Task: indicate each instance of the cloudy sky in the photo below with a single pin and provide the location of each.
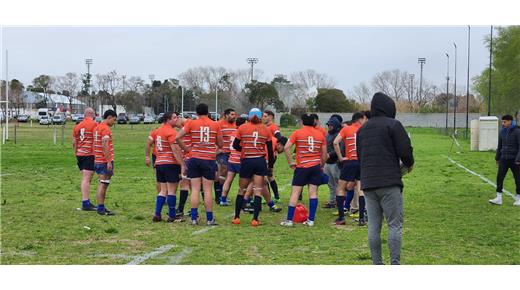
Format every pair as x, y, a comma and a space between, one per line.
348, 54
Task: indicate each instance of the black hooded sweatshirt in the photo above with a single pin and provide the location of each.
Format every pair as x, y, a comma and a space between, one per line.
381, 143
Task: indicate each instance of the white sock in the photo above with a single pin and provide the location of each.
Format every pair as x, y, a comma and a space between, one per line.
499, 194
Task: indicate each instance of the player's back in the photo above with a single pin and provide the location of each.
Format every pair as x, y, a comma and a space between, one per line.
84, 135
102, 131
253, 139
349, 135
308, 141
203, 132
226, 130
164, 138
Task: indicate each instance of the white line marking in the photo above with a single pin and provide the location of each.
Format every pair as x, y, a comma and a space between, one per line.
201, 231
478, 175
139, 259
177, 259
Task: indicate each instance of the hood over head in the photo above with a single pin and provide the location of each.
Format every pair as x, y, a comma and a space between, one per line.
382, 105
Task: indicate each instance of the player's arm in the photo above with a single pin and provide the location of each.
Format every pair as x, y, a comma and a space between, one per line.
287, 150
106, 151
499, 149
270, 153
220, 141
149, 143
178, 156
236, 144
324, 154
337, 148
74, 141
178, 138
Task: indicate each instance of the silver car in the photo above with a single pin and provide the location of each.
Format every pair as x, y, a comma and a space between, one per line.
45, 120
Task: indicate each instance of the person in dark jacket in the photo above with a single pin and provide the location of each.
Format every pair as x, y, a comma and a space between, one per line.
508, 157
331, 167
383, 145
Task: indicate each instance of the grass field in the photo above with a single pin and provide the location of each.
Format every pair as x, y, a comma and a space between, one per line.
447, 217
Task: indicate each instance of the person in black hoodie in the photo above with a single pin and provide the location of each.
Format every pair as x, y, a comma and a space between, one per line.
331, 167
383, 148
508, 157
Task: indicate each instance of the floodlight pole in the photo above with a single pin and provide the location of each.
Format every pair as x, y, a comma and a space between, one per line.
6, 128
490, 65
421, 61
182, 101
252, 61
447, 89
88, 62
455, 92
467, 83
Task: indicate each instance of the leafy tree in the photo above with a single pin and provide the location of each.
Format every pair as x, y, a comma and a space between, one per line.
334, 100
261, 94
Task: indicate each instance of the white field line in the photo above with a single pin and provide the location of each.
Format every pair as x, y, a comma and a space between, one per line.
177, 259
478, 175
139, 259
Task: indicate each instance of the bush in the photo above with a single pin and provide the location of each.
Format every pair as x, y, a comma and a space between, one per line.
287, 120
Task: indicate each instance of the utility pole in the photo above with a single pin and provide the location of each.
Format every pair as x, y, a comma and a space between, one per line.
455, 92
411, 87
6, 128
447, 90
490, 65
421, 61
182, 101
252, 61
151, 77
124, 81
88, 62
467, 84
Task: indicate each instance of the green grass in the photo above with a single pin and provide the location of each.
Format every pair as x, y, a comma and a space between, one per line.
447, 217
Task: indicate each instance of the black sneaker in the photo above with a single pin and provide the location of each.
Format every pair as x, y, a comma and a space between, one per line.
179, 214
274, 208
157, 218
177, 219
106, 212
91, 207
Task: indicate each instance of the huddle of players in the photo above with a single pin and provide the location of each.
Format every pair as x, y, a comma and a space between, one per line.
190, 156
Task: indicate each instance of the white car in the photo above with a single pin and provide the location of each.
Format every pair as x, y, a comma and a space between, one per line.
149, 120
45, 120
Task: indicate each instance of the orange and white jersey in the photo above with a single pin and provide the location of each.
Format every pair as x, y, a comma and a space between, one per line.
83, 133
309, 142
253, 139
101, 132
322, 130
164, 138
234, 155
226, 130
273, 128
203, 132
349, 134
186, 139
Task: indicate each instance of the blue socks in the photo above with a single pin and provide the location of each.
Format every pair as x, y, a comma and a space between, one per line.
171, 200
290, 213
194, 214
159, 204
350, 197
271, 204
101, 207
85, 203
223, 198
209, 216
313, 206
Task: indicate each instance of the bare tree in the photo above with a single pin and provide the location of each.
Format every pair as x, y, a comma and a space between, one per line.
307, 84
68, 85
363, 93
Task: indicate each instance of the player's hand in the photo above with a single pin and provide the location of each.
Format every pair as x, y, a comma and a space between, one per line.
147, 161
109, 166
292, 165
498, 162
184, 171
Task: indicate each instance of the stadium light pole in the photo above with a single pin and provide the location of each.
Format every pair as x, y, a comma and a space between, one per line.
182, 101
421, 61
252, 61
411, 86
151, 77
490, 65
447, 89
5, 132
467, 83
455, 91
88, 62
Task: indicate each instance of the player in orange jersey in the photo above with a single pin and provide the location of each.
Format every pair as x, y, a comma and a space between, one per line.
227, 128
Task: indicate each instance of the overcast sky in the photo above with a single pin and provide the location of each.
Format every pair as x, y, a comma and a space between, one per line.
349, 55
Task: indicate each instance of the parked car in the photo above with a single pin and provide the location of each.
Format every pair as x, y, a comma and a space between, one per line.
99, 119
122, 118
45, 120
80, 118
149, 120
141, 116
159, 118
58, 119
23, 118
135, 120
74, 117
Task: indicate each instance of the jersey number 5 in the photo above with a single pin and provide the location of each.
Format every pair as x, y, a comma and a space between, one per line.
82, 134
204, 134
158, 143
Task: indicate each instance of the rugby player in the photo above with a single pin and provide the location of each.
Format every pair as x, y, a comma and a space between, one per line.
268, 119
350, 171
311, 154
104, 158
151, 162
227, 128
233, 165
202, 166
185, 181
251, 140
83, 145
169, 166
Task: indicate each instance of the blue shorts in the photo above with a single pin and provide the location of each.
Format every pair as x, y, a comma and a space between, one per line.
101, 169
351, 171
223, 159
202, 168
168, 173
234, 167
253, 166
304, 176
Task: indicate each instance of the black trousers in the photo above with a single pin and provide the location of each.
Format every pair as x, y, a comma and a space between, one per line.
503, 166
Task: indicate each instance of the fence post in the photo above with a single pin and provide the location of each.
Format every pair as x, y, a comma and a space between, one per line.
62, 133
15, 126
54, 135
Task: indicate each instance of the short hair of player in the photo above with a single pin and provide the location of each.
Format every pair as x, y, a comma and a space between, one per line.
315, 116
269, 113
109, 113
282, 140
507, 117
202, 109
240, 121
367, 114
167, 117
356, 116
338, 117
228, 111
308, 120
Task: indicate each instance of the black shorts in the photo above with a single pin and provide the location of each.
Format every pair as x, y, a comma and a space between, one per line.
85, 162
202, 168
350, 171
223, 159
304, 176
153, 160
253, 166
168, 173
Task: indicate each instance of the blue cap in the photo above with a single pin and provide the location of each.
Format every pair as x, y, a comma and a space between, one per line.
255, 112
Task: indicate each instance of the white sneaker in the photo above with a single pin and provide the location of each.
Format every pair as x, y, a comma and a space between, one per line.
309, 223
497, 200
287, 223
517, 200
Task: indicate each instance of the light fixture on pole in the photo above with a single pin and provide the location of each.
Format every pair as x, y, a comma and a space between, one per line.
252, 61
